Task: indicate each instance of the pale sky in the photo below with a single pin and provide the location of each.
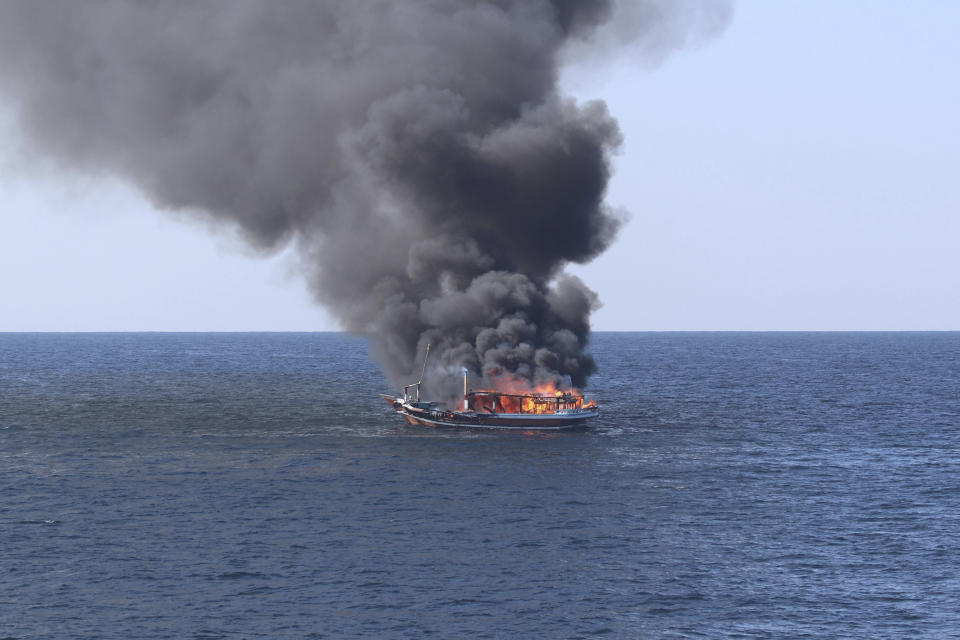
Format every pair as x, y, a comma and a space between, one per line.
800, 172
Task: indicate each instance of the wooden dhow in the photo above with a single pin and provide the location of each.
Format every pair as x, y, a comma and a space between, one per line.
544, 408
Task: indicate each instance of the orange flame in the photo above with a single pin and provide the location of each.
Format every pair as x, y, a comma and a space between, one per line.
519, 396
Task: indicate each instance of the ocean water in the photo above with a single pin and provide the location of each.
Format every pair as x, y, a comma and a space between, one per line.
746, 485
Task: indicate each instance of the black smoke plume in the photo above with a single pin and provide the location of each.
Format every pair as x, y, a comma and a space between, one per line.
419, 154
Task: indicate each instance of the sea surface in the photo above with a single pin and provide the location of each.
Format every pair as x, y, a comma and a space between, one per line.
736, 485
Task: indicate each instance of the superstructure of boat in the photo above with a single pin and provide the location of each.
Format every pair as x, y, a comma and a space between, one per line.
490, 409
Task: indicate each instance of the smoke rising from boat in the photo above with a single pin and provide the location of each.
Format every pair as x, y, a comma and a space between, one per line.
419, 155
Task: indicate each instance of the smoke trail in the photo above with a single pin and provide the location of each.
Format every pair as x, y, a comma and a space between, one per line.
419, 154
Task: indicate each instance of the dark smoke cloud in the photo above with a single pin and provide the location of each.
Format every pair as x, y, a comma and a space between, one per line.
419, 154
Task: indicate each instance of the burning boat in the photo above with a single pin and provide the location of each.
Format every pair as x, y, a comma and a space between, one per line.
543, 408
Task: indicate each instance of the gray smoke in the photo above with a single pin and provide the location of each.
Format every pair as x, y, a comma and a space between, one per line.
419, 154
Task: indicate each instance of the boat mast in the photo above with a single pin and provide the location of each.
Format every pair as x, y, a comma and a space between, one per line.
423, 371
420, 381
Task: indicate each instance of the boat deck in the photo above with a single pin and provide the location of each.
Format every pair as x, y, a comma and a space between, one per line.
427, 414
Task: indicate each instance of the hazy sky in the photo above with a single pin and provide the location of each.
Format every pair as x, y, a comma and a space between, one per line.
799, 172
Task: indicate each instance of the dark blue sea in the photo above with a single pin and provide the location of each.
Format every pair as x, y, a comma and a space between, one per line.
736, 485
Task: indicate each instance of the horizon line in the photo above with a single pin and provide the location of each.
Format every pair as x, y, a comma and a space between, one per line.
242, 331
